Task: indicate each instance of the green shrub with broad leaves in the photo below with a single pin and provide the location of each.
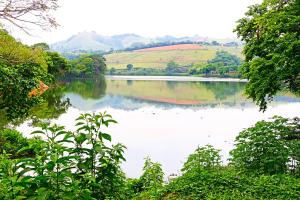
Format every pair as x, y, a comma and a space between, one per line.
264, 165
84, 164
69, 165
205, 157
269, 147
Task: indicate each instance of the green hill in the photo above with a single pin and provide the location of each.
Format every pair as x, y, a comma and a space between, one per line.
159, 59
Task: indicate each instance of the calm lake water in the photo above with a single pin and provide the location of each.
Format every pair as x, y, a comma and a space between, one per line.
160, 118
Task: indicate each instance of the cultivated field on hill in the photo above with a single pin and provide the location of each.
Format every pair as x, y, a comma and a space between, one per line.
146, 58
172, 47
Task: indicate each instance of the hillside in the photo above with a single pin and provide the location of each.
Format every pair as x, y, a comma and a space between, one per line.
91, 41
159, 58
172, 47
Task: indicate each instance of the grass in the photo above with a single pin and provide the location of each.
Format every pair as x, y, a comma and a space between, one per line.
159, 59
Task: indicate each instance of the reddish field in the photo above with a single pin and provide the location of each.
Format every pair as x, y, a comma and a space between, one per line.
172, 47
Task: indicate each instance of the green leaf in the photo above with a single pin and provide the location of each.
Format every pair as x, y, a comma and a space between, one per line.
80, 138
105, 136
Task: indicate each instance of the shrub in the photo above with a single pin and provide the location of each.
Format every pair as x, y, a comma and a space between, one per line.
268, 147
204, 157
70, 165
15, 145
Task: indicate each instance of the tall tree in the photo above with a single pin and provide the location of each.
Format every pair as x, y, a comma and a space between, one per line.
271, 31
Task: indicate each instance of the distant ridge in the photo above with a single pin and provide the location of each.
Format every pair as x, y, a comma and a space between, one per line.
92, 41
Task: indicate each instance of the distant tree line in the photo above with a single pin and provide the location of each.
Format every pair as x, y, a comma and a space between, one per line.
224, 64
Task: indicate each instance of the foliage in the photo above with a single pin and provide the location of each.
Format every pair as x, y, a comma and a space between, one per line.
22, 69
152, 178
69, 165
42, 45
226, 184
12, 141
204, 157
269, 147
57, 65
18, 81
204, 178
101, 163
171, 67
129, 67
272, 49
222, 64
88, 65
150, 183
13, 52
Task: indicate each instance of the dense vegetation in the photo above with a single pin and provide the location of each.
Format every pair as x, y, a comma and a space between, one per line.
272, 50
84, 164
26, 71
223, 64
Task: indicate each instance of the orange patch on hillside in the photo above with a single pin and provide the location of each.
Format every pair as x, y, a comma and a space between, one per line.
172, 47
173, 101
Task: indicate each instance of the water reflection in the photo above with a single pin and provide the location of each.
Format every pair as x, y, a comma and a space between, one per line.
130, 95
165, 120
53, 105
95, 94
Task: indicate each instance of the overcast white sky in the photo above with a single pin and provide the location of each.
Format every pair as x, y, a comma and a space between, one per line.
149, 18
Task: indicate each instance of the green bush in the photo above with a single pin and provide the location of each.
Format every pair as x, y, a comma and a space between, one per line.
204, 157
268, 148
15, 145
70, 165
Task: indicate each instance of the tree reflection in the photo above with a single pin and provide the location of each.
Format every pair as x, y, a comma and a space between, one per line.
87, 88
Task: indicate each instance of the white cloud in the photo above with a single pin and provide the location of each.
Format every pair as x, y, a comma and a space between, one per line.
150, 18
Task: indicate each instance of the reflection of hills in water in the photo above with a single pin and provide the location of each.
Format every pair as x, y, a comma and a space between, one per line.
128, 103
131, 95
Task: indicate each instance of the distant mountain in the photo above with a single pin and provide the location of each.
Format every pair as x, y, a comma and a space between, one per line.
91, 41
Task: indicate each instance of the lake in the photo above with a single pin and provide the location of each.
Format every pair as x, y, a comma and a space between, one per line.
165, 118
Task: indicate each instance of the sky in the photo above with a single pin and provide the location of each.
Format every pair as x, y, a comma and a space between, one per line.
148, 18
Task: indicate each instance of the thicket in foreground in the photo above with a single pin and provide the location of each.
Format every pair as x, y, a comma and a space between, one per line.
69, 165
85, 165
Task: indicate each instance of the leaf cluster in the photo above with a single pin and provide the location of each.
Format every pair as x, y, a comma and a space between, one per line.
69, 165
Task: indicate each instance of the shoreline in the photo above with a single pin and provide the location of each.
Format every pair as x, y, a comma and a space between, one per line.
174, 78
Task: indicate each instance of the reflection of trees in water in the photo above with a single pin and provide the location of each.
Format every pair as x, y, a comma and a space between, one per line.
52, 107
129, 82
223, 90
55, 104
171, 84
88, 88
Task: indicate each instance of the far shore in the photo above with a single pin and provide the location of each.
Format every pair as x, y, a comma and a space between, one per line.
174, 78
